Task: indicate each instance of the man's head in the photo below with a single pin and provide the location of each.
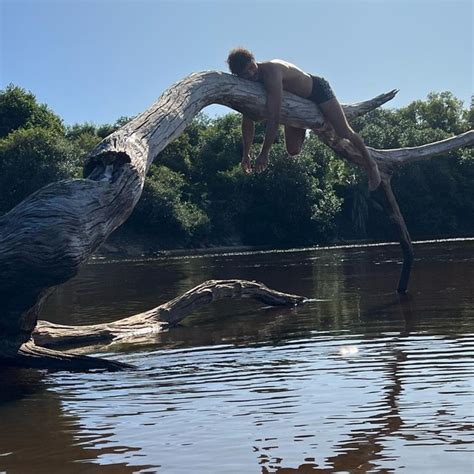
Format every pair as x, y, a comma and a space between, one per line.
242, 63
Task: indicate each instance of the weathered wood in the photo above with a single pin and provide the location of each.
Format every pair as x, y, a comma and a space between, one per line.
400, 156
406, 245
37, 353
149, 133
158, 319
45, 239
32, 356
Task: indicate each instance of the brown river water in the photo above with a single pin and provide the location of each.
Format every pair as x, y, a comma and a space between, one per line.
357, 380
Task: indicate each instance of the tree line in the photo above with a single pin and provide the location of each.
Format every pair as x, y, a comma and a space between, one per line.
196, 194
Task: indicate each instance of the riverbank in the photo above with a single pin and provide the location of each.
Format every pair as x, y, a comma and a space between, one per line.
125, 244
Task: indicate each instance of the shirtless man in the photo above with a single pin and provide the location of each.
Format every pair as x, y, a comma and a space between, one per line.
276, 76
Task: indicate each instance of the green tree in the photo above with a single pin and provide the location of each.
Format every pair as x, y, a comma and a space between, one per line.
31, 158
19, 109
163, 210
441, 110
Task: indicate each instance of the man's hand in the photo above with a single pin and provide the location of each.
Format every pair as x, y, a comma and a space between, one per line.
261, 163
246, 165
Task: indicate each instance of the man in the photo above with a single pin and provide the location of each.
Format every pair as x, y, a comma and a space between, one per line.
277, 76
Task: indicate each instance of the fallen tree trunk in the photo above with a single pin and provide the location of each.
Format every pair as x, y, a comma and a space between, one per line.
160, 318
45, 239
37, 353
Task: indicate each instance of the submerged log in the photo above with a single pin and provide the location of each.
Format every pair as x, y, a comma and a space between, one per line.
37, 353
160, 318
45, 239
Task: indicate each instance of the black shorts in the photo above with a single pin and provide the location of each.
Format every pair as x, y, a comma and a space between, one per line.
321, 91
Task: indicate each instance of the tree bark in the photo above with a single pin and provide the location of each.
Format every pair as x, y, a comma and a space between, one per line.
160, 318
45, 239
32, 356
140, 327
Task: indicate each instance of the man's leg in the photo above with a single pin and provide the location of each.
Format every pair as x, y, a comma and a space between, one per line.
333, 112
294, 139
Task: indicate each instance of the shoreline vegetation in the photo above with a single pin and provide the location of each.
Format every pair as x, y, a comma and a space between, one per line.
196, 199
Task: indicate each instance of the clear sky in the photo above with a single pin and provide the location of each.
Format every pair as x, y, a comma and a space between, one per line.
97, 60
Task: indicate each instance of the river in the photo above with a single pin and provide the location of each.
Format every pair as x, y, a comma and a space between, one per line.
357, 380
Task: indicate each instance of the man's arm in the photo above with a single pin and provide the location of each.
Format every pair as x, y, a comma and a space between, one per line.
273, 83
248, 132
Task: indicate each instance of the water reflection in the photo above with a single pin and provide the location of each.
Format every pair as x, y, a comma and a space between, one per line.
362, 381
38, 436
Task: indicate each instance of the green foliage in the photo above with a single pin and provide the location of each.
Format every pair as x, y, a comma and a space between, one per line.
163, 210
84, 137
441, 111
182, 152
31, 158
19, 109
287, 204
436, 196
220, 149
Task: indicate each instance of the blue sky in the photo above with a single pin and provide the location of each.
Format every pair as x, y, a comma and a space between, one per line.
97, 60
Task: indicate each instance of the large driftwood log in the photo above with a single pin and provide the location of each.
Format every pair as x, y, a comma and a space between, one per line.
157, 319
140, 327
45, 239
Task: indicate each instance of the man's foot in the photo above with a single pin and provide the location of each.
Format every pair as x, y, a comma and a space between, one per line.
261, 163
246, 166
373, 175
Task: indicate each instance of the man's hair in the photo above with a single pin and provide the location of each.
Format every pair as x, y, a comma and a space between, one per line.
238, 59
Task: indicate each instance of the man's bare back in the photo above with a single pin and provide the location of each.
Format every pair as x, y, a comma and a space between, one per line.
294, 80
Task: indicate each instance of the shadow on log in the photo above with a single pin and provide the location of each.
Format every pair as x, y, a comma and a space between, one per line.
45, 239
